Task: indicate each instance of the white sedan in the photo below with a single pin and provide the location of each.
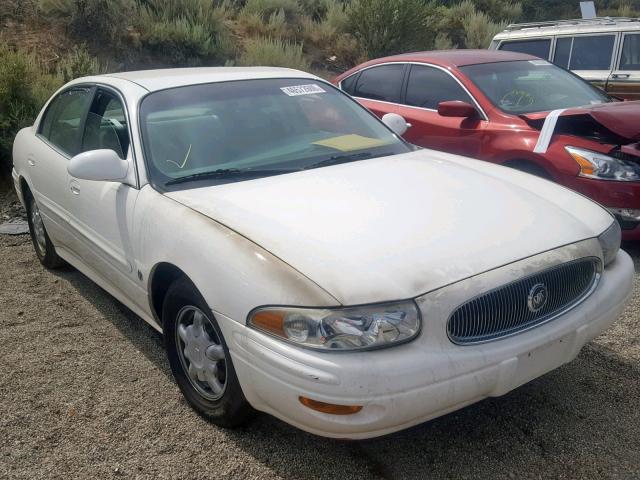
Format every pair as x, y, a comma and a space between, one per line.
301, 259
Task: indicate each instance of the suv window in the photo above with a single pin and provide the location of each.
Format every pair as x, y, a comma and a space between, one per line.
106, 125
630, 58
64, 117
563, 51
592, 52
380, 83
428, 86
538, 48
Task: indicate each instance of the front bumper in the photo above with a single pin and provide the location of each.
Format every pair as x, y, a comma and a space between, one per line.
409, 384
613, 195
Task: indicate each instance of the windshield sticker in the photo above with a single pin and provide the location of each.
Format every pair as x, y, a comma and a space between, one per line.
539, 63
349, 143
296, 90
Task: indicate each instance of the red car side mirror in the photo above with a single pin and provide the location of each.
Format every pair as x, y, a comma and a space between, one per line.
457, 108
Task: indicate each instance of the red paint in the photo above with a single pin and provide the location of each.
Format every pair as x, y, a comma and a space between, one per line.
504, 138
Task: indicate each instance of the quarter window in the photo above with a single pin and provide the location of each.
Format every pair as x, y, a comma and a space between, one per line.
106, 125
380, 83
592, 53
63, 119
630, 58
428, 86
537, 48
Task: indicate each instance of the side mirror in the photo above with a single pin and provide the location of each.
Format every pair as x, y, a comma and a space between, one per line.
457, 108
104, 165
396, 122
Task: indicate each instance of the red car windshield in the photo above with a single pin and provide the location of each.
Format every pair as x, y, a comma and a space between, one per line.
528, 86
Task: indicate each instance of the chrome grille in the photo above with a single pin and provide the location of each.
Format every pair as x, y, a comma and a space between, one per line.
521, 305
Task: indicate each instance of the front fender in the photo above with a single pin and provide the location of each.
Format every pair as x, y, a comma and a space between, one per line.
233, 274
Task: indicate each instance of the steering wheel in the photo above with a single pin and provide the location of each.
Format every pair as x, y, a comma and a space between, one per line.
517, 98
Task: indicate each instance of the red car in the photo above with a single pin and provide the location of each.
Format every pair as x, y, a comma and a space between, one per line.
516, 110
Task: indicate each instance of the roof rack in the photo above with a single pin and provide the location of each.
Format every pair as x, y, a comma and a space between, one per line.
576, 21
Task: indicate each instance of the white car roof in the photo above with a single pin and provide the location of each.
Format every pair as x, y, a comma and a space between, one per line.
161, 79
569, 27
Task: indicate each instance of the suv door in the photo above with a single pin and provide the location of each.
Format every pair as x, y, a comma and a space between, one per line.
59, 132
624, 81
426, 87
589, 56
101, 212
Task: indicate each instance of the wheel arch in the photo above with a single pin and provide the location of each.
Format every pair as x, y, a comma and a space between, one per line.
162, 275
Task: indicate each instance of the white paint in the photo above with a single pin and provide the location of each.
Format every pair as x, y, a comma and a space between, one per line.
383, 229
546, 133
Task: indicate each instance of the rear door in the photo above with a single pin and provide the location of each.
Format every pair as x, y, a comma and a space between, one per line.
59, 134
378, 88
589, 56
426, 87
624, 81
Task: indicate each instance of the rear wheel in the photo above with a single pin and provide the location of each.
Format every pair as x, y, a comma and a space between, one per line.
199, 357
42, 244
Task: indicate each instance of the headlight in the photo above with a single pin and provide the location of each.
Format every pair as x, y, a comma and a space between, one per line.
610, 242
352, 328
603, 167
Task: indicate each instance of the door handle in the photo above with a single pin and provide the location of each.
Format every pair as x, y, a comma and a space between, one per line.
31, 160
620, 75
75, 189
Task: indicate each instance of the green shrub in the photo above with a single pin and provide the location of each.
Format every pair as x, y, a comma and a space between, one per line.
94, 20
383, 27
21, 96
265, 8
78, 63
480, 30
273, 52
183, 31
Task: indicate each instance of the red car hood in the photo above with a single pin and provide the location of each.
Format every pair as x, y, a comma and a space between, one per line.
621, 118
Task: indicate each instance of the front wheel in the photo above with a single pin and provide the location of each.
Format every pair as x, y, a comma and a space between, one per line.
42, 244
199, 357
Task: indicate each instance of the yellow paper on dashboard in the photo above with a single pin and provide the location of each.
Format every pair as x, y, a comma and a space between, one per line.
348, 143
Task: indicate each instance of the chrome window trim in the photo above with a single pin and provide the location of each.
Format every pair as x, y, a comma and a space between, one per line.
424, 64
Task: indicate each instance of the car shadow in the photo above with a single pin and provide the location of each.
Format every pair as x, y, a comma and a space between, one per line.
550, 427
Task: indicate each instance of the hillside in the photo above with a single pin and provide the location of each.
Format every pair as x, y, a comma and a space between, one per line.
45, 43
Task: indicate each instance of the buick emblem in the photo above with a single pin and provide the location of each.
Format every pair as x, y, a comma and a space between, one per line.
538, 296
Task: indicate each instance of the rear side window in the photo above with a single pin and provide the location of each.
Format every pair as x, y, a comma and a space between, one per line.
62, 122
630, 58
537, 48
349, 84
428, 86
592, 53
380, 83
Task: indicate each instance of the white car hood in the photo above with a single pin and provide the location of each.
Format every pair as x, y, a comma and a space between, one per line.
399, 226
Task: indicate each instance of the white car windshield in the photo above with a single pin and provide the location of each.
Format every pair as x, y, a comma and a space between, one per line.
232, 131
528, 86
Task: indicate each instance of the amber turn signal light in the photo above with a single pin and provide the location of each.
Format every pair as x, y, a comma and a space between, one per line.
330, 407
272, 322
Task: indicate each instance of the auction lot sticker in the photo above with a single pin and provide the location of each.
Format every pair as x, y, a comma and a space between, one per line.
296, 90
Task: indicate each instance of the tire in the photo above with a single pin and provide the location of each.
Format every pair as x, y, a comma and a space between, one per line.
207, 356
42, 244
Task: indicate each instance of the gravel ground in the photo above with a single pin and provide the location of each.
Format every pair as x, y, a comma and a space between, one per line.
85, 392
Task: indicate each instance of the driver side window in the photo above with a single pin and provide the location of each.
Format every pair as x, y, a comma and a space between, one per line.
106, 125
428, 86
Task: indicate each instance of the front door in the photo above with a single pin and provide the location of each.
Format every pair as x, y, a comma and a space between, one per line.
101, 212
